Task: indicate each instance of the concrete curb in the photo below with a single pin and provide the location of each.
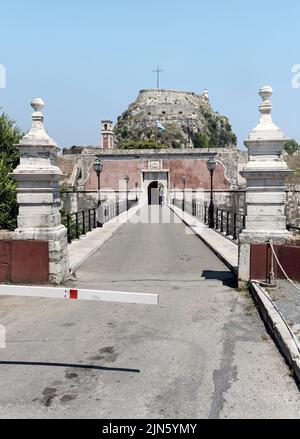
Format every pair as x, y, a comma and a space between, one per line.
98, 237
279, 329
196, 230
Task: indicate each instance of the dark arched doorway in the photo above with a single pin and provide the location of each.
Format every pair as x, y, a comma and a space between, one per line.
153, 193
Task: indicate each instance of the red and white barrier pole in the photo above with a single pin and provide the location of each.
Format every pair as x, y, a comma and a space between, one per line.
78, 294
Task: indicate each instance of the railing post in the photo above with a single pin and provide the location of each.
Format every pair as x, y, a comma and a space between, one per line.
234, 226
77, 226
205, 214
227, 224
217, 219
68, 229
95, 218
83, 223
222, 221
90, 221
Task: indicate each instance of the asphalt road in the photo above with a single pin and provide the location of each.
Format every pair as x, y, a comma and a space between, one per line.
202, 353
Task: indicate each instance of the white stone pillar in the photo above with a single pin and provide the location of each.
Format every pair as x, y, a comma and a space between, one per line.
38, 179
265, 175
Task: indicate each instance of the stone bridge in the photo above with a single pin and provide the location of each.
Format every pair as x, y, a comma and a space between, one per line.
203, 352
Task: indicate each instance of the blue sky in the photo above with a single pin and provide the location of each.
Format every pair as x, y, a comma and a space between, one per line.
89, 59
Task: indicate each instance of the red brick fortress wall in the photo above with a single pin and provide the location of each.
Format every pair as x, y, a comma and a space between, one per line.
195, 170
114, 171
196, 173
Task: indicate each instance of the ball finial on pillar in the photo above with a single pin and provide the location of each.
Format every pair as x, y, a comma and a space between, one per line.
37, 134
37, 104
265, 92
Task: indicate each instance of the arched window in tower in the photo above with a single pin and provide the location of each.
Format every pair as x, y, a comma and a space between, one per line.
105, 126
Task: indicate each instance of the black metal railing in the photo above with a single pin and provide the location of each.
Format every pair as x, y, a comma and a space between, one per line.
227, 222
79, 223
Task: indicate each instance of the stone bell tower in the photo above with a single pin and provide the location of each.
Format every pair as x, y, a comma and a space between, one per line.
38, 179
265, 174
107, 134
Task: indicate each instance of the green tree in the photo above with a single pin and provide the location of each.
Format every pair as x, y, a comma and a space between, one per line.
8, 198
200, 140
291, 146
9, 158
9, 137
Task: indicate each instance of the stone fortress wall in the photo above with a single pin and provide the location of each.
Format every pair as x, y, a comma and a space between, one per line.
169, 103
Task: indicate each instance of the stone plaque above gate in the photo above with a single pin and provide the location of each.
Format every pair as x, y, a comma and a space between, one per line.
154, 165
159, 176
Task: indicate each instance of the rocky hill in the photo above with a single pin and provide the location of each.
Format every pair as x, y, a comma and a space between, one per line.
187, 118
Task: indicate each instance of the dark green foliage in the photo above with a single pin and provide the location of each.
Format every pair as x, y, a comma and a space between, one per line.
8, 198
9, 158
200, 140
9, 137
219, 132
176, 144
291, 146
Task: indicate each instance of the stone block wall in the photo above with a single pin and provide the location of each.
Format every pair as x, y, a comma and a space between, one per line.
293, 206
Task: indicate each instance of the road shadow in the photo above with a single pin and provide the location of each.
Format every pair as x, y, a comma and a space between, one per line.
228, 279
68, 365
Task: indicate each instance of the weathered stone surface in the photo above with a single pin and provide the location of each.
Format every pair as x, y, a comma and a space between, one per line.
6, 235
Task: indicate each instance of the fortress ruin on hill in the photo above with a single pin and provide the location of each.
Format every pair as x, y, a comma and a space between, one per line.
186, 120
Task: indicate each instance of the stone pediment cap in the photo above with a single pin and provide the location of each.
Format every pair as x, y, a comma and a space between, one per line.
266, 129
37, 135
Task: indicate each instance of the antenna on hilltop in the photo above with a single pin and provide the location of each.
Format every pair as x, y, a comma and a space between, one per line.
158, 72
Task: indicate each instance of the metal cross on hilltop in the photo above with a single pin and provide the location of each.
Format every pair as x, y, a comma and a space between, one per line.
158, 72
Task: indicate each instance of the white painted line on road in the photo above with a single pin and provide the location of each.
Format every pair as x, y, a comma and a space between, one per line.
78, 294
